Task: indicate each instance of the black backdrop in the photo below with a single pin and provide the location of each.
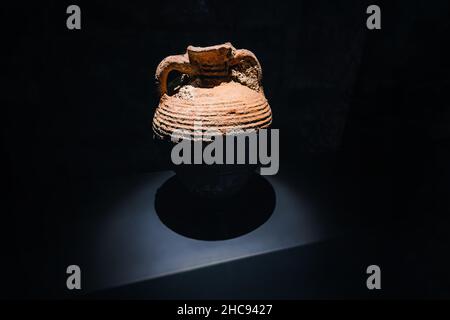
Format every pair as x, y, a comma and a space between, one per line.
78, 105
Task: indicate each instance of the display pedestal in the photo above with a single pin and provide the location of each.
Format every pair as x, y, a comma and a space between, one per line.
129, 239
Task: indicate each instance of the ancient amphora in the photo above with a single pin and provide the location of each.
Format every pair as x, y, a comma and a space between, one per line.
216, 89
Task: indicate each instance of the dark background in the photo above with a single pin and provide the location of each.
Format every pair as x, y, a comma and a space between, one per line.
77, 106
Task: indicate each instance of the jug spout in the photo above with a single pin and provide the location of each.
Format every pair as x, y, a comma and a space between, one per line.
210, 66
212, 60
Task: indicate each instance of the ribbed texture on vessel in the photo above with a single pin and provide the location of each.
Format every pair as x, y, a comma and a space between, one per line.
224, 109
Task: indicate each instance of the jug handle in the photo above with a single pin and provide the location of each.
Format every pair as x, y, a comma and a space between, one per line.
176, 62
242, 55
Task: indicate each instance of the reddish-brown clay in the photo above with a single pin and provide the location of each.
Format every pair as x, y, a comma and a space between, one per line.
221, 91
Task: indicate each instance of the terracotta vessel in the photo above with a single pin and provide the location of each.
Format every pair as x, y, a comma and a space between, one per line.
217, 88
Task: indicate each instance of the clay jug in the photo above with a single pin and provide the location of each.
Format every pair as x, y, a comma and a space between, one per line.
218, 88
